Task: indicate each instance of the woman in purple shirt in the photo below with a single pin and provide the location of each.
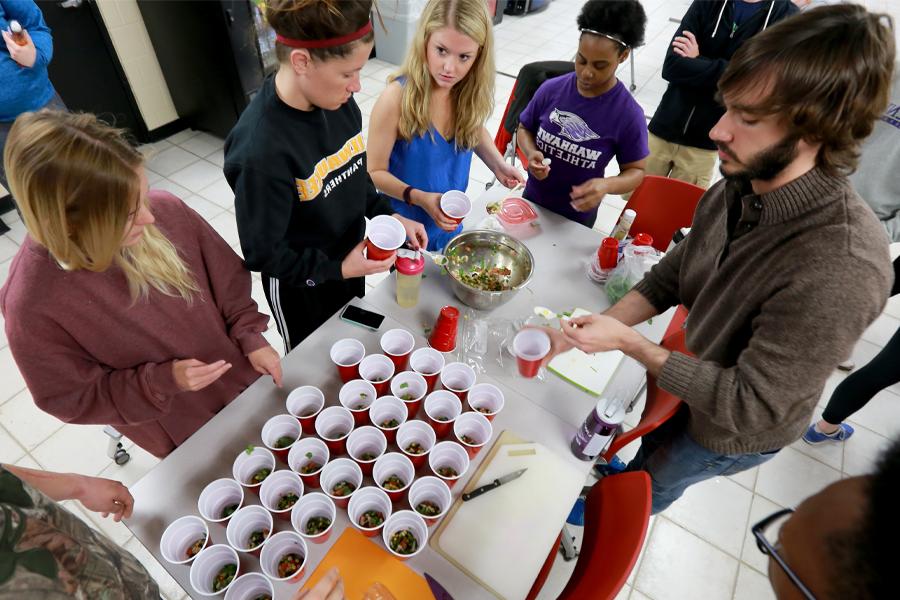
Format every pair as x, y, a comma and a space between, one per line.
576, 123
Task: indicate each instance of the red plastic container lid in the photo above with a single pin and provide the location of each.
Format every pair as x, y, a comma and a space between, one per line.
515, 211
410, 266
643, 239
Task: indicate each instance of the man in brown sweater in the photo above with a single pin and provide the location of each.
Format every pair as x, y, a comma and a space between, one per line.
785, 265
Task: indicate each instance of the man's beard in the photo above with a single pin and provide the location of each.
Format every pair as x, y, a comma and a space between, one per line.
767, 164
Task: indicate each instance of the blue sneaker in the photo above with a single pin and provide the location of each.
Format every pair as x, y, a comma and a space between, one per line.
616, 465
813, 436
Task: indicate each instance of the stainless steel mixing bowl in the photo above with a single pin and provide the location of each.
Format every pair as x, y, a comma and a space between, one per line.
496, 249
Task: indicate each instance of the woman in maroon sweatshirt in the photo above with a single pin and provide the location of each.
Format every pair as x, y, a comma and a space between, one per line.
123, 306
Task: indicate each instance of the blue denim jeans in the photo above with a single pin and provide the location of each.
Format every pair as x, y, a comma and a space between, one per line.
675, 461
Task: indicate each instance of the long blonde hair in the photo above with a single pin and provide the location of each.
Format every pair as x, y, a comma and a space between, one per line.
472, 99
76, 180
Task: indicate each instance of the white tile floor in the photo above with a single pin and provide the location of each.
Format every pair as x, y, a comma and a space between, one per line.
699, 548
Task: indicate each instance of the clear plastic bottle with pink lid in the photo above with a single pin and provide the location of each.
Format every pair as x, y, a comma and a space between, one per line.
409, 279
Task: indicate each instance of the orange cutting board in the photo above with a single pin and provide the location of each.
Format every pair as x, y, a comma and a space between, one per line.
361, 563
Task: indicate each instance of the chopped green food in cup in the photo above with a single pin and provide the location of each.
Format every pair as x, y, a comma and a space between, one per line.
404, 542
287, 501
469, 440
308, 413
483, 410
284, 441
260, 476
196, 547
336, 434
228, 511
404, 385
310, 468
377, 379
390, 423
371, 518
415, 448
359, 407
441, 418
407, 396
224, 577
263, 597
367, 456
447, 472
342, 488
256, 538
393, 483
316, 525
428, 508
289, 564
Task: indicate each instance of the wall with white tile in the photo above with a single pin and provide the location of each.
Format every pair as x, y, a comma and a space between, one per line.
132, 43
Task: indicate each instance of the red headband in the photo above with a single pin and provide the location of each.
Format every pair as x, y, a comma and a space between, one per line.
329, 43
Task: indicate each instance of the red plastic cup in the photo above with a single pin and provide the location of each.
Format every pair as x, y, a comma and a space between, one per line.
608, 253
306, 403
217, 496
456, 205
448, 455
385, 234
281, 544
473, 431
397, 345
180, 536
278, 427
334, 425
443, 336
428, 363
441, 410
530, 347
411, 388
246, 464
377, 369
487, 399
275, 487
357, 396
338, 470
346, 354
305, 451
405, 520
366, 440
385, 409
390, 465
243, 523
458, 378
366, 499
434, 490
311, 506
416, 432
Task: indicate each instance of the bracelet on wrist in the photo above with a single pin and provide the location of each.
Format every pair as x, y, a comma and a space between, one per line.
407, 194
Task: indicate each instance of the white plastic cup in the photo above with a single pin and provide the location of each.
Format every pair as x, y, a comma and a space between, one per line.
244, 522
366, 499
281, 426
431, 489
394, 463
418, 432
410, 387
475, 426
428, 363
249, 586
275, 487
452, 455
377, 369
331, 422
180, 536
312, 505
246, 464
207, 566
410, 521
281, 544
398, 344
357, 396
217, 496
458, 378
386, 233
445, 405
366, 440
385, 409
487, 399
297, 459
305, 403
456, 205
338, 470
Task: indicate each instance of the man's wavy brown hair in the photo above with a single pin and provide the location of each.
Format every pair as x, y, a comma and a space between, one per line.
828, 74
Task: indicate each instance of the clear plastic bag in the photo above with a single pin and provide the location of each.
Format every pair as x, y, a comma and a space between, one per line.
482, 339
635, 262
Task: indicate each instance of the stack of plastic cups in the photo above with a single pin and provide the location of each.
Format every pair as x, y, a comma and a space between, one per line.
443, 336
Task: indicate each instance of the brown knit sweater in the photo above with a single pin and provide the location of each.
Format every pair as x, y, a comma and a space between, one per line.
777, 298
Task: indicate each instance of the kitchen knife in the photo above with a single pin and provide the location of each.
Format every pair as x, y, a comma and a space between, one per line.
437, 589
493, 485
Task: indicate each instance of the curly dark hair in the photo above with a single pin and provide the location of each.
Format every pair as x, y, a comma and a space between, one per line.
622, 19
318, 20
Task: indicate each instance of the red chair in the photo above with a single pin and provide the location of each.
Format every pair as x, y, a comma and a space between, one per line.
616, 515
663, 206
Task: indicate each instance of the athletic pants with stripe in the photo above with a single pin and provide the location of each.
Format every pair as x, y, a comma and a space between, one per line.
298, 311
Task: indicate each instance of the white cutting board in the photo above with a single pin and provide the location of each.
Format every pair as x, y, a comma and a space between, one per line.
503, 537
590, 372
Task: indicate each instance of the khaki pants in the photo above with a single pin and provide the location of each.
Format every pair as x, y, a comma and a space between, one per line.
694, 165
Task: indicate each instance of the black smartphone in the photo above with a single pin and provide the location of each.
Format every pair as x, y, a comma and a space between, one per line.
362, 317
